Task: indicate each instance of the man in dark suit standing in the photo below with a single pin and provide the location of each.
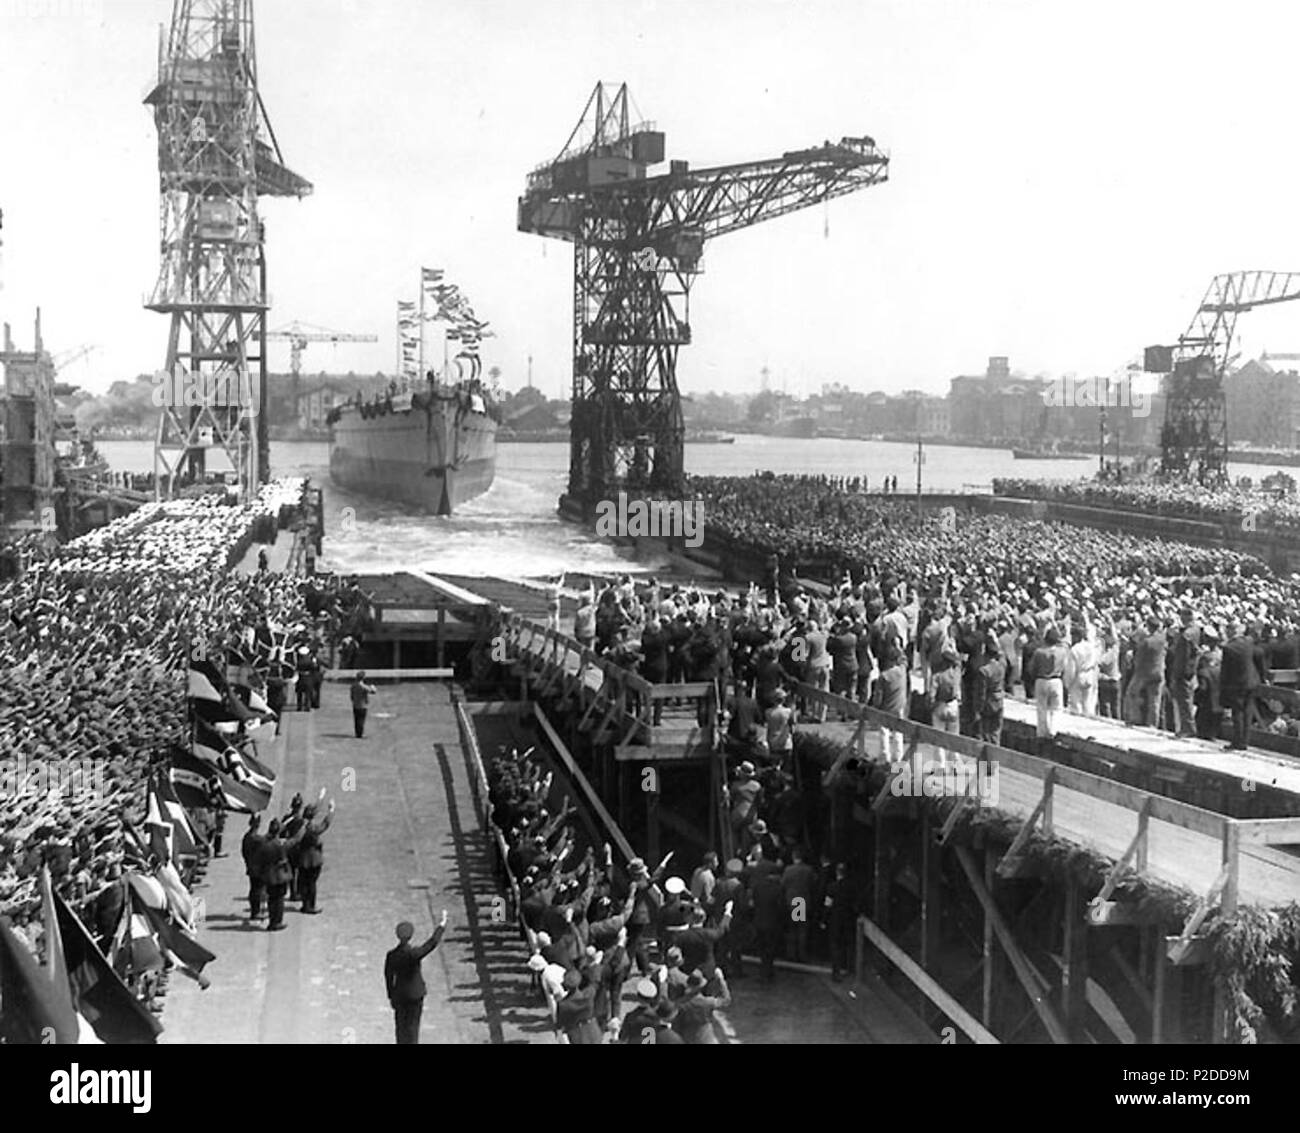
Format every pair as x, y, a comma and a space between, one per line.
251, 849
311, 854
1243, 670
404, 982
360, 693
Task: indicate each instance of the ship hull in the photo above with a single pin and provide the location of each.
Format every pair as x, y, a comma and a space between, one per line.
432, 458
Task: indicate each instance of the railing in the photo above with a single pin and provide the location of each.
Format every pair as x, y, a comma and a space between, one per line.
900, 743
495, 838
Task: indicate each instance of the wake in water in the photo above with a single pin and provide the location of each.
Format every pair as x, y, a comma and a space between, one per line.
511, 531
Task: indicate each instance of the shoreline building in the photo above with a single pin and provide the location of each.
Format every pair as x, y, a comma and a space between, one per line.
27, 435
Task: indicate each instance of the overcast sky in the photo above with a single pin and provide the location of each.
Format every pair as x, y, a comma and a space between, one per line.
1065, 178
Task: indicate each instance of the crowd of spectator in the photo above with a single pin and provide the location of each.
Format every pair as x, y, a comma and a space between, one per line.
94, 649
1237, 506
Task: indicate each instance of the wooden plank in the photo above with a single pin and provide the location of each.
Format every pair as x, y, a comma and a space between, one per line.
1074, 962
990, 955
1120, 794
576, 776
1010, 862
662, 753
1117, 870
924, 983
1178, 952
1268, 832
691, 690
931, 894
1019, 964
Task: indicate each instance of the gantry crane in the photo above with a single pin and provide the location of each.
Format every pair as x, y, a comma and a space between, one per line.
1194, 440
217, 154
637, 247
298, 335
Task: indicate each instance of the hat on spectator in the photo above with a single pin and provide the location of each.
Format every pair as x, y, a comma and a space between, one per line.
675, 886
647, 991
735, 867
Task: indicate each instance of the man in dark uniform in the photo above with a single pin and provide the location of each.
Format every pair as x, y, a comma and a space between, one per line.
311, 855
290, 826
404, 982
276, 874
1242, 671
361, 694
251, 849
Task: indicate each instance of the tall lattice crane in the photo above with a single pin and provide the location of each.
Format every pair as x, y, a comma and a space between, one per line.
217, 154
299, 336
1194, 440
637, 247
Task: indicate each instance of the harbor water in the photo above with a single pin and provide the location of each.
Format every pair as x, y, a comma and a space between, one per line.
513, 530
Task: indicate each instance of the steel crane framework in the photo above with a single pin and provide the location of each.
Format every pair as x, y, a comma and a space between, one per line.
638, 243
217, 154
299, 337
1194, 440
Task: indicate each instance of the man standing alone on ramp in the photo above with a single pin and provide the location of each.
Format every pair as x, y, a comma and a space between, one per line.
361, 694
405, 983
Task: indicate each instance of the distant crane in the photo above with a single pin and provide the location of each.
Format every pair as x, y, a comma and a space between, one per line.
217, 154
62, 361
298, 335
637, 242
1194, 440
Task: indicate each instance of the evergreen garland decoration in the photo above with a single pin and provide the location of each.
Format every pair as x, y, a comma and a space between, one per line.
1256, 951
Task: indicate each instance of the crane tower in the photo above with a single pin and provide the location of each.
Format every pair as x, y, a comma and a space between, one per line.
217, 154
1194, 439
638, 241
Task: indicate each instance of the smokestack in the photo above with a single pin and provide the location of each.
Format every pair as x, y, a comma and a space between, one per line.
36, 349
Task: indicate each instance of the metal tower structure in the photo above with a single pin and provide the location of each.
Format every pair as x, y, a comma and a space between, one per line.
637, 242
217, 154
1194, 439
299, 336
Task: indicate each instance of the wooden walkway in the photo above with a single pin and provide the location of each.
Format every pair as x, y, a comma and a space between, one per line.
1255, 767
405, 843
1258, 860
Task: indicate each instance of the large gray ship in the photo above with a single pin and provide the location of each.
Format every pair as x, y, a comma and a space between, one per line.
432, 448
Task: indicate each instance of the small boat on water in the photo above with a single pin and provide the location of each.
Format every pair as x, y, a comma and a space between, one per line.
1047, 454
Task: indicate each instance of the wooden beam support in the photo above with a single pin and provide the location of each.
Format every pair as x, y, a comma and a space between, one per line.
880, 877
1021, 966
931, 895
1136, 848
1179, 950
1074, 957
990, 949
923, 981
960, 807
575, 775
1010, 862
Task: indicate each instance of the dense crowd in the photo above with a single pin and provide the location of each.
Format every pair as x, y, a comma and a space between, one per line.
941, 620
601, 936
1143, 626
1233, 505
94, 649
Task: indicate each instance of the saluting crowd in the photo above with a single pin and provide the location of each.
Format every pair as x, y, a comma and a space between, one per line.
95, 645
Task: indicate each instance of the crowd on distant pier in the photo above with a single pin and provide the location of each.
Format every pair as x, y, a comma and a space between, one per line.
1238, 506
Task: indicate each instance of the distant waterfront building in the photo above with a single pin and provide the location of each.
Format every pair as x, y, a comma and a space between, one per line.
1263, 405
27, 435
995, 404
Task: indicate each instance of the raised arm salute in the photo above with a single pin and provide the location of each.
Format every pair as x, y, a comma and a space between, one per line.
404, 981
